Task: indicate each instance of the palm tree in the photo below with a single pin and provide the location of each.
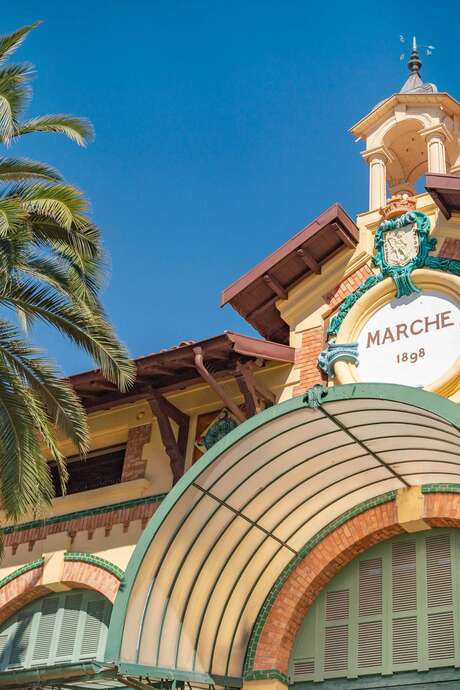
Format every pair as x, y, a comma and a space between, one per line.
51, 268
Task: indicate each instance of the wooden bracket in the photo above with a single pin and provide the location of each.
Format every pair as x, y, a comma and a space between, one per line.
164, 411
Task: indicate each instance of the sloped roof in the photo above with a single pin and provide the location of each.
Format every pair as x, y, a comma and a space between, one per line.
255, 294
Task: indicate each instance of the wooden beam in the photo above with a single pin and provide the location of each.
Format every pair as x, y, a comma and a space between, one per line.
309, 260
157, 369
250, 399
259, 388
346, 239
217, 388
160, 409
276, 286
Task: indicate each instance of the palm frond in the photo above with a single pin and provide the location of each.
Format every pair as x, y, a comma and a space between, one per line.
56, 395
19, 169
11, 42
88, 331
61, 203
78, 129
13, 217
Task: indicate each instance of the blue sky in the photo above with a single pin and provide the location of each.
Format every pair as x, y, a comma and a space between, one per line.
221, 130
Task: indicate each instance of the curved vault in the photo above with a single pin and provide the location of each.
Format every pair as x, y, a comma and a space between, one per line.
210, 555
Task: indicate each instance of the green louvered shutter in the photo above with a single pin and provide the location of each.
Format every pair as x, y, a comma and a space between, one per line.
404, 624
45, 630
56, 629
94, 632
21, 639
394, 609
370, 610
440, 613
69, 620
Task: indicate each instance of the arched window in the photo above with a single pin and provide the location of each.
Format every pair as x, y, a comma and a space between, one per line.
66, 627
394, 608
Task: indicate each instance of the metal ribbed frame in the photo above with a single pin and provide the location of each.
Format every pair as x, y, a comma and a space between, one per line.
426, 404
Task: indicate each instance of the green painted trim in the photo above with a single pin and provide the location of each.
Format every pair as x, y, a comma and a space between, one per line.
95, 560
425, 400
401, 275
269, 674
160, 672
292, 565
441, 489
421, 680
20, 571
101, 510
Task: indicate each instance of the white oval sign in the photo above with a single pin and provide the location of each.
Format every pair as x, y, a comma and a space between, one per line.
412, 340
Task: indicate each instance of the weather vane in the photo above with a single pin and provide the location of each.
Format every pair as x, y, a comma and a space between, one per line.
427, 49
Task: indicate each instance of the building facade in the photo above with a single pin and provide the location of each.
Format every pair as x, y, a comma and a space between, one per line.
282, 510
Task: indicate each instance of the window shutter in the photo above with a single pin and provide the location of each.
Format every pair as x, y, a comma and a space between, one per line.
438, 570
404, 576
336, 648
94, 625
69, 627
405, 640
44, 637
337, 605
336, 636
441, 636
370, 644
4, 650
21, 637
370, 587
303, 667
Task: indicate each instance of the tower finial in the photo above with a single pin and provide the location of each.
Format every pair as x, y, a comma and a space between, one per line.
414, 64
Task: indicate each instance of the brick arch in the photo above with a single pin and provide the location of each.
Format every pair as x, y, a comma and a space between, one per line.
273, 638
28, 586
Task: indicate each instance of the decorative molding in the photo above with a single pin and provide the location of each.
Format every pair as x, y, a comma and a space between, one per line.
21, 571
401, 275
314, 395
292, 565
334, 352
100, 510
350, 301
97, 561
441, 489
269, 674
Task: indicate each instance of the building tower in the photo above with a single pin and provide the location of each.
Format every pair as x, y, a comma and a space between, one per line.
413, 132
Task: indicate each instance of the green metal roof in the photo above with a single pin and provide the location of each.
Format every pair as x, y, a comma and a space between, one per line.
207, 560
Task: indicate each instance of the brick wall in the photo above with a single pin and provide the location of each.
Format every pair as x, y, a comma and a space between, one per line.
450, 249
72, 525
306, 359
28, 587
336, 296
134, 465
313, 340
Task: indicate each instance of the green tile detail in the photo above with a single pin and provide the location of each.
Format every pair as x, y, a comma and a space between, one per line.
95, 560
83, 513
441, 489
269, 674
20, 571
292, 565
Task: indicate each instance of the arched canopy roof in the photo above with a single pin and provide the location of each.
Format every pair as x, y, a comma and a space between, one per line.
210, 555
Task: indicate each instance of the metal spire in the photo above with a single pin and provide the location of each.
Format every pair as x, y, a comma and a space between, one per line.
414, 83
414, 64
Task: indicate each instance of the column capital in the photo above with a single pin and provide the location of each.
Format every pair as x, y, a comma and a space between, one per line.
437, 131
377, 153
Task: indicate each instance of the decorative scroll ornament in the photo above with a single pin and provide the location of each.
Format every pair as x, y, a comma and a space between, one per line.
314, 395
334, 352
402, 244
